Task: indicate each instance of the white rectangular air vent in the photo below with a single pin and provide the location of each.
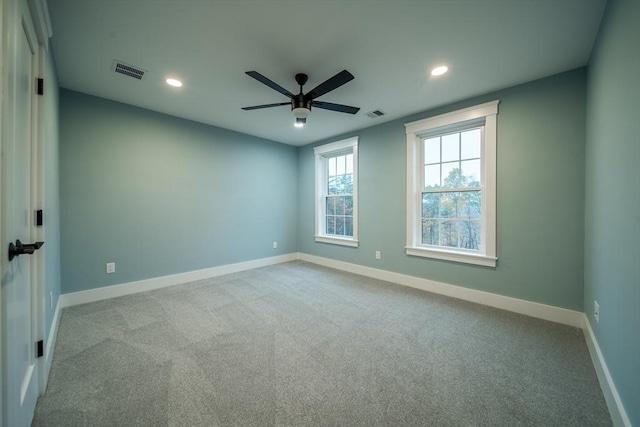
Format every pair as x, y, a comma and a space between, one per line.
128, 70
375, 114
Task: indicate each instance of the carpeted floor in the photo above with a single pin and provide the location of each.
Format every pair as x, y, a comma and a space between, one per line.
299, 344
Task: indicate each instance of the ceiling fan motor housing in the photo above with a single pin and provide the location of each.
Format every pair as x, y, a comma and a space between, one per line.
300, 106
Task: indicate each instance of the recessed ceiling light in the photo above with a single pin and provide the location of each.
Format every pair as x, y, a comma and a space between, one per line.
174, 82
438, 71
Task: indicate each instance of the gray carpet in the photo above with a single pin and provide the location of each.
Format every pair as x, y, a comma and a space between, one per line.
299, 344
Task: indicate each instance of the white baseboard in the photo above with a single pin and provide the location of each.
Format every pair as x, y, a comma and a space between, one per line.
99, 294
533, 309
611, 396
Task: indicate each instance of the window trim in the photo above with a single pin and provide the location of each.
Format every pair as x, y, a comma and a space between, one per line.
416, 133
345, 146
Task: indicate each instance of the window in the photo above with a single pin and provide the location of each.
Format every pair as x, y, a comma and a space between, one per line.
451, 186
337, 192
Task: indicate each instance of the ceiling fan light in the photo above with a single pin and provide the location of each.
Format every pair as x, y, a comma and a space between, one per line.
300, 121
301, 113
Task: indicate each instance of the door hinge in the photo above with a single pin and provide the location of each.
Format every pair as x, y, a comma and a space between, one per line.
40, 86
40, 348
39, 218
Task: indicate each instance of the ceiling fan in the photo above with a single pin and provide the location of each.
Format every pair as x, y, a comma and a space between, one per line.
301, 103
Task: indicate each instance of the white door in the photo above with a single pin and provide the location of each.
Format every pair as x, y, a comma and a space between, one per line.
19, 367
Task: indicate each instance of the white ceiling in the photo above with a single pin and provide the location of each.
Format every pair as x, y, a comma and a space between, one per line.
389, 46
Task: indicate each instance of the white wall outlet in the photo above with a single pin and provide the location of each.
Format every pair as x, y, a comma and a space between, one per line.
596, 311
377, 254
111, 267
275, 245
50, 299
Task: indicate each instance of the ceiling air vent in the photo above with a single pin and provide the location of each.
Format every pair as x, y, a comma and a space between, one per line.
375, 114
128, 70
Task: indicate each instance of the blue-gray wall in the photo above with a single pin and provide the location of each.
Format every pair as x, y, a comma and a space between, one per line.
541, 134
159, 195
51, 191
612, 205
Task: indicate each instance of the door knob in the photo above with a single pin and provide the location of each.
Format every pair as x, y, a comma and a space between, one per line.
23, 248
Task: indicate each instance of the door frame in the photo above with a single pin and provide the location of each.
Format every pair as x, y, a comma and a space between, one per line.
2, 237
42, 26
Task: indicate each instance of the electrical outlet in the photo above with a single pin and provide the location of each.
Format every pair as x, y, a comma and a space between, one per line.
596, 311
111, 267
377, 254
275, 245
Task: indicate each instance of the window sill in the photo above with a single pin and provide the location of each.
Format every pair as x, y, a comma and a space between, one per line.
337, 241
466, 258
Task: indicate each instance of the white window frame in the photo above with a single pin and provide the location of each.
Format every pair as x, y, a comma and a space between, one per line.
323, 152
483, 115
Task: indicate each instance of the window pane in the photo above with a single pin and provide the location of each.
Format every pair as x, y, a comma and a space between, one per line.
448, 205
469, 204
469, 234
348, 226
339, 205
470, 144
449, 234
451, 147
451, 175
331, 224
470, 173
430, 205
349, 163
332, 166
348, 205
348, 184
452, 219
432, 176
331, 206
339, 184
332, 185
430, 232
340, 165
339, 225
432, 150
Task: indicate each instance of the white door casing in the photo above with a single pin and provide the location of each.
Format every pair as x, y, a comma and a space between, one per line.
19, 289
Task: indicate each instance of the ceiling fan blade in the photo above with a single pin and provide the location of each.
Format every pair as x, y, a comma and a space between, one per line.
262, 79
335, 107
258, 107
333, 83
